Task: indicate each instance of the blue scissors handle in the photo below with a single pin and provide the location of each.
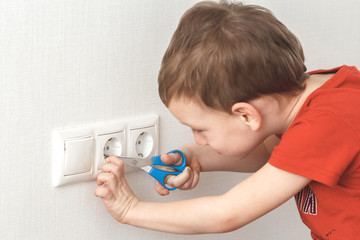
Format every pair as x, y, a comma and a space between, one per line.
160, 175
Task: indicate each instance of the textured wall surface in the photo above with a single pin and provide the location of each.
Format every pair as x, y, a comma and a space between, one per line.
66, 63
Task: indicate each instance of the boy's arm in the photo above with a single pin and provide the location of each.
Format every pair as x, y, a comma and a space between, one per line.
260, 193
200, 158
210, 160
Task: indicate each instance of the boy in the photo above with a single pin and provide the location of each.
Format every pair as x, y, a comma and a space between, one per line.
236, 76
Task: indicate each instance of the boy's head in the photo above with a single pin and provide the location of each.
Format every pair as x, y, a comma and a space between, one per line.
224, 53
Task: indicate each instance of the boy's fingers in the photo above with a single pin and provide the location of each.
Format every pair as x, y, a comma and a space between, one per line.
104, 193
171, 159
184, 181
112, 168
179, 180
161, 190
101, 192
115, 160
107, 178
100, 180
188, 183
195, 179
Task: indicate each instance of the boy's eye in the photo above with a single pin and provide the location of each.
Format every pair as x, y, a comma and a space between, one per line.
196, 130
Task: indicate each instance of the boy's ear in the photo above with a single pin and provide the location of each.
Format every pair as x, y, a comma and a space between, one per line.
248, 114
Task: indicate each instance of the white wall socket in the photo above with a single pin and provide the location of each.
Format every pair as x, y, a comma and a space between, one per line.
115, 130
78, 153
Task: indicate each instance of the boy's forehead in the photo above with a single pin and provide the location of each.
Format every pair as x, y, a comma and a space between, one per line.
192, 112
187, 111
186, 105
193, 101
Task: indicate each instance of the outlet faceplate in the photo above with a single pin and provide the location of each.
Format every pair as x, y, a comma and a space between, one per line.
78, 152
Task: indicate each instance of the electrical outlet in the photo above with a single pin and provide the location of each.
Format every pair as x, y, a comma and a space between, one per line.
78, 154
114, 131
118, 145
143, 138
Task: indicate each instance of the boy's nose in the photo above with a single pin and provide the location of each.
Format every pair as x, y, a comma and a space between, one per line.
200, 140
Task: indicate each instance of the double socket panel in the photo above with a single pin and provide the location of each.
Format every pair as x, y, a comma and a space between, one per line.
78, 153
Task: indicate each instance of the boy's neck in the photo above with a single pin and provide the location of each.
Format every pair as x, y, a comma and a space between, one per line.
279, 113
312, 83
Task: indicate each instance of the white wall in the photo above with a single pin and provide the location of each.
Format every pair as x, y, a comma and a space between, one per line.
68, 63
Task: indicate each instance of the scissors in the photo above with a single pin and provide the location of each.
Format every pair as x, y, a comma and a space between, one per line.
145, 164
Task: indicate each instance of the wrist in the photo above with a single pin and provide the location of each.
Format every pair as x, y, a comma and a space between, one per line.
131, 212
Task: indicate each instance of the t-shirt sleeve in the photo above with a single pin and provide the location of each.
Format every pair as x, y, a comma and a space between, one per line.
319, 146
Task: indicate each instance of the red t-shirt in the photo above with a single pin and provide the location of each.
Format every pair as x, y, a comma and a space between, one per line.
323, 144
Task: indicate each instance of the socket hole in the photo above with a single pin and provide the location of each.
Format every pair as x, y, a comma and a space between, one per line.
144, 144
113, 147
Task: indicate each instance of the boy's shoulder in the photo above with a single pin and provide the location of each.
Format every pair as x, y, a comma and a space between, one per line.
339, 94
344, 77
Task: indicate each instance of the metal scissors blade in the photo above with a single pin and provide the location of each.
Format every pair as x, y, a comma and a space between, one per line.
135, 162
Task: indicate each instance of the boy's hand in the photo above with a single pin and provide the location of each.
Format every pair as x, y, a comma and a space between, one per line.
114, 190
187, 179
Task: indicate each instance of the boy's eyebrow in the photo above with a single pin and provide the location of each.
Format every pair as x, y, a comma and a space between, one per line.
185, 123
190, 125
